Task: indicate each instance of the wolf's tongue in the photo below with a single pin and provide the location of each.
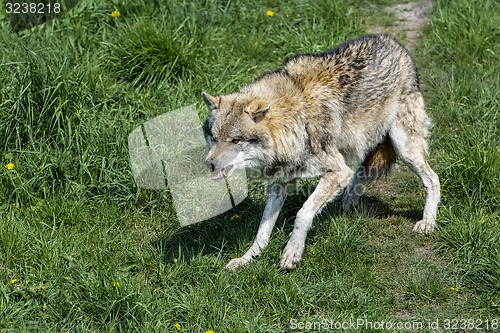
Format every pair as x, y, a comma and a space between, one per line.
218, 176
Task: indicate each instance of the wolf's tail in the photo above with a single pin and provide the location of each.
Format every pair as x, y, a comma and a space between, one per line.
379, 161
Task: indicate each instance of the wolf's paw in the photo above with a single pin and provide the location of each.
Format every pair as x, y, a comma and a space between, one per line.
424, 226
346, 203
236, 263
291, 255
349, 200
351, 196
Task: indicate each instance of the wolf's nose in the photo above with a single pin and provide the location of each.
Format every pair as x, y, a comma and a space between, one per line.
210, 163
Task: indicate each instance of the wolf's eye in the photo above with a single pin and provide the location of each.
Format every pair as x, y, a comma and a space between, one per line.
235, 141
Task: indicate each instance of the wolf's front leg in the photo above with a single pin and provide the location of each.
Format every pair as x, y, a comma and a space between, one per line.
328, 187
275, 193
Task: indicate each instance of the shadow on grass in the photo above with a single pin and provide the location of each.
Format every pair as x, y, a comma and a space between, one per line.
382, 209
235, 230
212, 235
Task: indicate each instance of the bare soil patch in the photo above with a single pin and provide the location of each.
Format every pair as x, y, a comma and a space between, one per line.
412, 18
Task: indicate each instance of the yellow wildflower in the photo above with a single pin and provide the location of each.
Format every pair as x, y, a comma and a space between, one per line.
178, 327
10, 166
115, 13
270, 13
42, 288
116, 284
209, 331
14, 281
235, 216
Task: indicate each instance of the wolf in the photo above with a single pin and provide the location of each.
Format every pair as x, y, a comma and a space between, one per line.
356, 104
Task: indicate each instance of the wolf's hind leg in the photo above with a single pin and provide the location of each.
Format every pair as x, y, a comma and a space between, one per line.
413, 154
328, 187
408, 138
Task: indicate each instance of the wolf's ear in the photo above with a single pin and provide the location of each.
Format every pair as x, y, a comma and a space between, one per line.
257, 109
212, 102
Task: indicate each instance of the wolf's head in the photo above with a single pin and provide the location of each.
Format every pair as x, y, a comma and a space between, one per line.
237, 133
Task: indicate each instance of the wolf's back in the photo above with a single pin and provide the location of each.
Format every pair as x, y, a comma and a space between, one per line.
368, 68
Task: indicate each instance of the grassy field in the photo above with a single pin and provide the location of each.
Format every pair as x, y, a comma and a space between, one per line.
83, 249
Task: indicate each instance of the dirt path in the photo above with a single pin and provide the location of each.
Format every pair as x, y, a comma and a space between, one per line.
391, 198
412, 17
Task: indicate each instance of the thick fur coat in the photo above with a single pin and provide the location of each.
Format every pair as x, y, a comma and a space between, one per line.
358, 103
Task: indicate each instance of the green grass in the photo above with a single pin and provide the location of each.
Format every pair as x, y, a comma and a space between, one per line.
92, 252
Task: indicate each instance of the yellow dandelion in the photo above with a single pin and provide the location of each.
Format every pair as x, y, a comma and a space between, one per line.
115, 13
235, 216
270, 13
42, 288
10, 166
209, 331
486, 215
482, 221
14, 281
178, 327
116, 284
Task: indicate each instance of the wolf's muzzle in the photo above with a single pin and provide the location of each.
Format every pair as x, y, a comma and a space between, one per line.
217, 172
